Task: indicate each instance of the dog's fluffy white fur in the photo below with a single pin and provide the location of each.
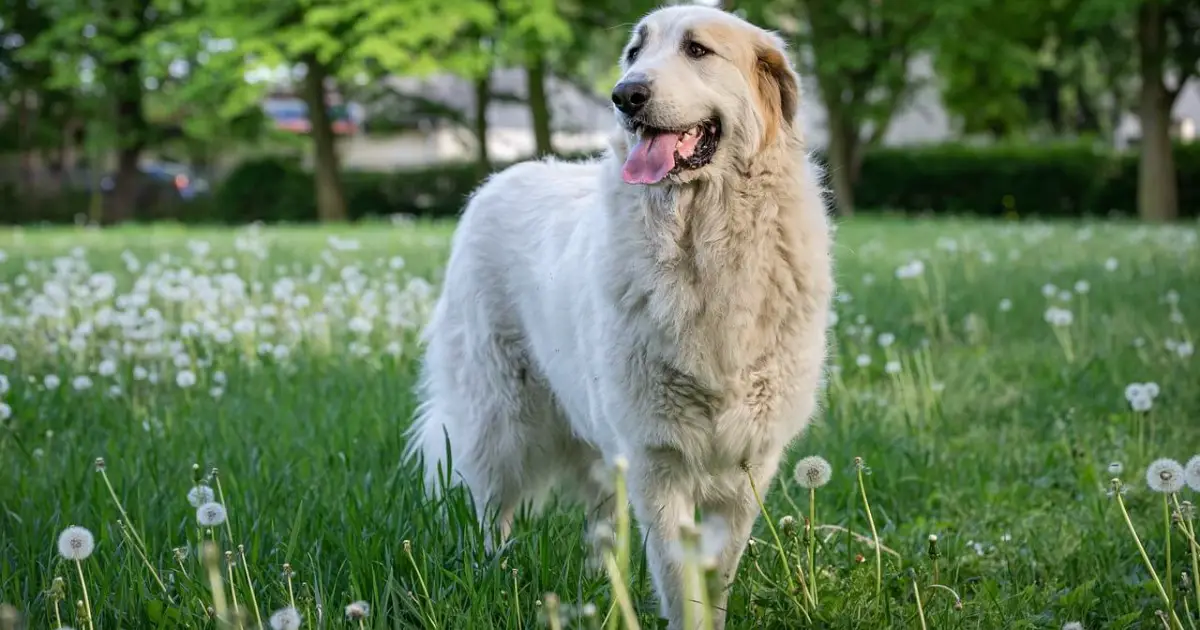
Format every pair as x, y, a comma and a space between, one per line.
680, 325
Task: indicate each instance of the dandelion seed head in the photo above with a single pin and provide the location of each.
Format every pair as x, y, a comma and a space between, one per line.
1191, 473
285, 619
1072, 625
76, 543
892, 367
1116, 468
200, 495
185, 378
812, 472
210, 514
1142, 403
356, 611
1165, 475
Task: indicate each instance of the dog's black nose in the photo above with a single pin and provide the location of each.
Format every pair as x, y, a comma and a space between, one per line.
631, 96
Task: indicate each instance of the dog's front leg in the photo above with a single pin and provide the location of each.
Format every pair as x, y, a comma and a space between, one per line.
739, 510
662, 505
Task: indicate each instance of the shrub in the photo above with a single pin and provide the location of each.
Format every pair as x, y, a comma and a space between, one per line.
1061, 180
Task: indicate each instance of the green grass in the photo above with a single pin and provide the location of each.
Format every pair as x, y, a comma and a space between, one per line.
988, 437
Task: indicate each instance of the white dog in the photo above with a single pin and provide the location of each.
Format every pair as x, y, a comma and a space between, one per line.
666, 303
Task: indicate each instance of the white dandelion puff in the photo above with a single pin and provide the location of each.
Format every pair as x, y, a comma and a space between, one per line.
1049, 290
81, 383
200, 495
1142, 403
1111, 264
1191, 473
1134, 390
1082, 287
357, 611
1151, 389
185, 378
210, 514
886, 339
1165, 475
5, 411
862, 360
76, 543
1059, 317
107, 367
1072, 625
8, 353
1116, 468
812, 472
1005, 305
892, 367
51, 381
285, 619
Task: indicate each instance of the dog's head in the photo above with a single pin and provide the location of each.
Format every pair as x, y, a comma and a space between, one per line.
702, 89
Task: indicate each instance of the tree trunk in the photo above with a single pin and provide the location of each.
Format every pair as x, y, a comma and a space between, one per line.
331, 203
539, 106
131, 136
483, 98
1158, 194
845, 159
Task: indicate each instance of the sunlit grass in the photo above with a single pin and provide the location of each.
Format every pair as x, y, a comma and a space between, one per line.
275, 369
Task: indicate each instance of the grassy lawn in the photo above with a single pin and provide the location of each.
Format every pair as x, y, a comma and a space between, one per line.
284, 358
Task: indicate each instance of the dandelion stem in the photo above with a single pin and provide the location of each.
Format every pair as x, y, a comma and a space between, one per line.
620, 592
120, 508
920, 608
221, 498
291, 593
812, 542
1189, 532
862, 486
421, 581
232, 586
517, 598
250, 585
125, 529
779, 548
57, 615
87, 603
1145, 558
1167, 526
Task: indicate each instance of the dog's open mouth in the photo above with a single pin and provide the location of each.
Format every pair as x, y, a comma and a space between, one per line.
662, 152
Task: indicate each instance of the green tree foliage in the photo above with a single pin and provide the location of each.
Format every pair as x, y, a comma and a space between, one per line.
859, 52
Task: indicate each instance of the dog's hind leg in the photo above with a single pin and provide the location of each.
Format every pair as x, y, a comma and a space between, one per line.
476, 393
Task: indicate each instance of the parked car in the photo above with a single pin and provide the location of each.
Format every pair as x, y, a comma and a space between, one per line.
164, 177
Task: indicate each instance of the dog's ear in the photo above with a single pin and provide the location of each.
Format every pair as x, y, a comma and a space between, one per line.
778, 86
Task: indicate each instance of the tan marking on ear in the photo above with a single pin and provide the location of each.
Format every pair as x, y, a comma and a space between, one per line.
777, 92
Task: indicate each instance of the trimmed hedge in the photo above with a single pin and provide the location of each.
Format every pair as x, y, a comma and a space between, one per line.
1063, 180
1047, 181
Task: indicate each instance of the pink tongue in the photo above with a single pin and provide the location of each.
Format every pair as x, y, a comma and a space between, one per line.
651, 160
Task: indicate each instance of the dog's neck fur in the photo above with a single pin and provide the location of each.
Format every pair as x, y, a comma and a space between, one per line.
724, 247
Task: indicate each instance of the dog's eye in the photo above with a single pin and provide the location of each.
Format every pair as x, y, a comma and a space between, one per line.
631, 56
696, 51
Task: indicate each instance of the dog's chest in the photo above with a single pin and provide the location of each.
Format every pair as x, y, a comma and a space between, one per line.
719, 427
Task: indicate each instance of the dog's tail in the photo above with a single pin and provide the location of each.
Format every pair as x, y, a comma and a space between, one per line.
428, 439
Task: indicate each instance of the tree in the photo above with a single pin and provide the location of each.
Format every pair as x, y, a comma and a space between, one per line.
1166, 36
330, 41
98, 54
859, 51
